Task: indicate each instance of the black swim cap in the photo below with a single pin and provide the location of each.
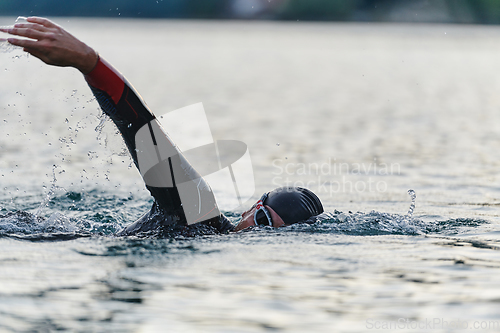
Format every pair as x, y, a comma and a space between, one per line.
294, 204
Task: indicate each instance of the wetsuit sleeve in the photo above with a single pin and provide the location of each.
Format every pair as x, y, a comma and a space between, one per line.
120, 101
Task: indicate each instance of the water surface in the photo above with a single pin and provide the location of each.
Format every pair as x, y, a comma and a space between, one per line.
358, 112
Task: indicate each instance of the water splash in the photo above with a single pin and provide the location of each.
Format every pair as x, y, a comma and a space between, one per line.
70, 215
413, 197
5, 46
102, 121
21, 19
24, 225
109, 136
49, 195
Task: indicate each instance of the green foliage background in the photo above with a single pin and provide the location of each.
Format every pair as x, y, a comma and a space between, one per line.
478, 11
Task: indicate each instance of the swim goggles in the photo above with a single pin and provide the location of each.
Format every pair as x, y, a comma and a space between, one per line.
261, 215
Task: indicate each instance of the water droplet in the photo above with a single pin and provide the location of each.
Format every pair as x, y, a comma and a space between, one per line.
413, 197
278, 144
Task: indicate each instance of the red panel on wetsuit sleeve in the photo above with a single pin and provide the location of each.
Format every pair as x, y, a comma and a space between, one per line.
104, 77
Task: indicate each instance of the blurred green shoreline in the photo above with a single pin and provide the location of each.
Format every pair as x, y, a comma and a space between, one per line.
427, 11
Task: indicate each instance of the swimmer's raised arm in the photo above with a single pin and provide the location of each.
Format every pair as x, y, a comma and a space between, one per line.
52, 44
137, 125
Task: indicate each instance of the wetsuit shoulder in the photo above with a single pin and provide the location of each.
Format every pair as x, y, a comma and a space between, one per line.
221, 223
225, 225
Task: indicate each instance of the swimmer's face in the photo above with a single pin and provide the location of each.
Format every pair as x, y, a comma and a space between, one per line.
247, 219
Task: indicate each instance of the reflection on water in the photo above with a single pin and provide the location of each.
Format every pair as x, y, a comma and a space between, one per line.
359, 113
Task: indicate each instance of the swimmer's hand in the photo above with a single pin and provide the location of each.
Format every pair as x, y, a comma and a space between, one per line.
52, 44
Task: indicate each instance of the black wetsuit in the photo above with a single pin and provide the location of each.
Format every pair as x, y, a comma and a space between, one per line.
119, 100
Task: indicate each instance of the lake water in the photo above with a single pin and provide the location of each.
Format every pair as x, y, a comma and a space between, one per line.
359, 113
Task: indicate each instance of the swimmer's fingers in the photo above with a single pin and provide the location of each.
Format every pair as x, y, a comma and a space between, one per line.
27, 30
61, 52
34, 48
34, 24
25, 43
42, 21
53, 45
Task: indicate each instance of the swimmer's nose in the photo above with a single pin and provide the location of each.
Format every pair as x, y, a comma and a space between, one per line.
245, 213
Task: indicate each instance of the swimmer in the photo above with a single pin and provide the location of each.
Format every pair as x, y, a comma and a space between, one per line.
119, 100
